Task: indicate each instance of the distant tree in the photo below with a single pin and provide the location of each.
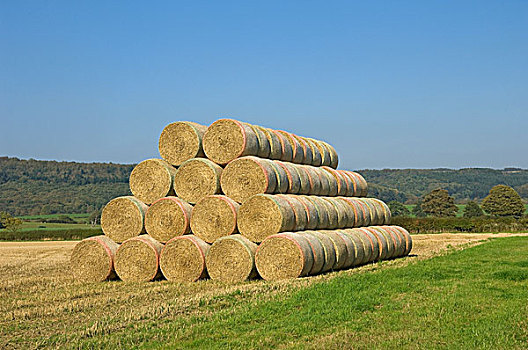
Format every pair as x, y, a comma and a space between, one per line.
503, 201
439, 203
95, 217
472, 210
398, 209
9, 222
418, 211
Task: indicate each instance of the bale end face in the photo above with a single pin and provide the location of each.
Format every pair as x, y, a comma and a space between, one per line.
197, 178
181, 141
92, 259
137, 259
151, 180
224, 141
167, 218
122, 218
214, 217
231, 259
261, 216
183, 259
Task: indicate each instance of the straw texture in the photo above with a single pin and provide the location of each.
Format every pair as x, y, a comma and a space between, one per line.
122, 218
197, 178
137, 259
167, 218
151, 180
232, 259
183, 259
181, 141
214, 217
92, 259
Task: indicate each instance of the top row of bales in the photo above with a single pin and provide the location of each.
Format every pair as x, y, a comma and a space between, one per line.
228, 139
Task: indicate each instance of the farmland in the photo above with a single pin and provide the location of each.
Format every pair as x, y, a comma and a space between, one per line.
440, 296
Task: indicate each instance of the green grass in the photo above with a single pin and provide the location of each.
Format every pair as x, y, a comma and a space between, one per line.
469, 299
53, 216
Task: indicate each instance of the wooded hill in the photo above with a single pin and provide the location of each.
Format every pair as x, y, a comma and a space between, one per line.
32, 187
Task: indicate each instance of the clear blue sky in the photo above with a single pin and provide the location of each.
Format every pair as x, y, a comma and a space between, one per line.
391, 84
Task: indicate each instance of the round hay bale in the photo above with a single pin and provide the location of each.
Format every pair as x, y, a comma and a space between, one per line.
340, 248
385, 211
92, 259
324, 180
312, 215
332, 153
167, 218
317, 159
181, 141
299, 211
197, 178
151, 180
391, 243
307, 150
398, 238
228, 139
283, 183
183, 259
264, 147
274, 142
362, 248
323, 219
122, 218
333, 184
325, 155
246, 177
339, 178
328, 249
284, 256
297, 151
350, 249
330, 210
214, 217
231, 259
365, 212
353, 213
286, 147
374, 243
341, 210
383, 243
407, 237
294, 182
264, 215
304, 179
362, 185
317, 252
137, 259
374, 215
351, 188
313, 179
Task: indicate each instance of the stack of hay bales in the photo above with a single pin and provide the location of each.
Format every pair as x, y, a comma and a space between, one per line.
234, 201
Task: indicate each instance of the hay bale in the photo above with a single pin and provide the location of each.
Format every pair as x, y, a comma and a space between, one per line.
340, 181
341, 210
398, 238
183, 259
323, 219
328, 249
283, 182
326, 188
350, 249
248, 176
340, 248
363, 250
312, 215
297, 151
231, 259
181, 141
214, 217
286, 147
330, 210
137, 259
167, 218
283, 256
304, 179
364, 212
313, 179
391, 243
383, 243
122, 218
351, 187
317, 252
373, 215
307, 150
407, 237
325, 155
264, 215
197, 178
92, 259
274, 142
294, 181
332, 182
317, 159
264, 146
228, 139
151, 180
332, 154
385, 211
299, 211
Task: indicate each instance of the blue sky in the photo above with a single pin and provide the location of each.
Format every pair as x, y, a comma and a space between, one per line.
391, 84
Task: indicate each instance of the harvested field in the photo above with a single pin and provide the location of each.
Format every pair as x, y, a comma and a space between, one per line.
44, 306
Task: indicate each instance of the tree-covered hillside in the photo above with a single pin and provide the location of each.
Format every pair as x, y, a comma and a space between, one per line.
407, 185
31, 187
